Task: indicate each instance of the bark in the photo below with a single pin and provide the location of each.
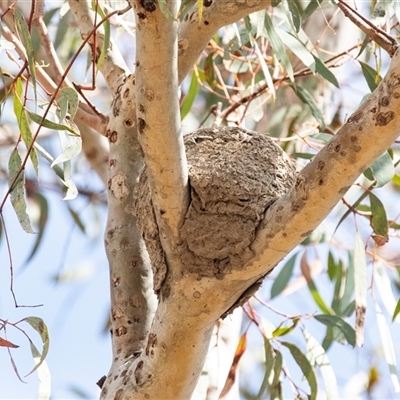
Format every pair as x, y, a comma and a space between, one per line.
195, 287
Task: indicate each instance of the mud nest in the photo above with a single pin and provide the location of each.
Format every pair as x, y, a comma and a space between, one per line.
234, 175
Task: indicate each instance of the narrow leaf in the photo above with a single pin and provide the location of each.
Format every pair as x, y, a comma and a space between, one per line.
312, 6
284, 330
278, 46
305, 367
316, 354
371, 76
297, 47
269, 365
384, 286
23, 124
383, 169
17, 188
396, 311
6, 343
68, 102
360, 287
295, 14
190, 96
25, 36
40, 327
106, 39
165, 10
71, 147
388, 349
379, 221
283, 277
306, 98
230, 380
337, 322
41, 201
38, 119
325, 72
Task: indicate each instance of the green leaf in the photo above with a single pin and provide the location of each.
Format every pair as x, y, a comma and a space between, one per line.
297, 47
63, 25
23, 124
318, 298
305, 367
334, 269
379, 221
306, 98
39, 326
396, 179
38, 119
371, 76
209, 70
277, 369
68, 101
269, 365
16, 182
305, 156
383, 169
316, 355
284, 330
295, 14
349, 283
278, 46
107, 35
41, 201
396, 310
190, 96
283, 277
325, 72
77, 219
360, 287
388, 349
384, 287
312, 6
167, 13
71, 147
26, 40
334, 321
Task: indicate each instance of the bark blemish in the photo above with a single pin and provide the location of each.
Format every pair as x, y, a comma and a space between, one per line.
112, 136
151, 344
118, 395
383, 118
121, 331
196, 294
321, 165
124, 243
141, 125
117, 186
128, 123
116, 281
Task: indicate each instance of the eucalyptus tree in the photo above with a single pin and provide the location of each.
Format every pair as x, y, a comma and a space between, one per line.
197, 221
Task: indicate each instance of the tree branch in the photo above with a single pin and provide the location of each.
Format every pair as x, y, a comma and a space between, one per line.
194, 34
113, 67
158, 116
321, 184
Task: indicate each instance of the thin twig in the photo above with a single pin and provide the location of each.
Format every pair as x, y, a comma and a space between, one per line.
378, 35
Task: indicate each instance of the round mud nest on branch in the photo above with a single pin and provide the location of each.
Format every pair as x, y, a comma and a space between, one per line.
234, 175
